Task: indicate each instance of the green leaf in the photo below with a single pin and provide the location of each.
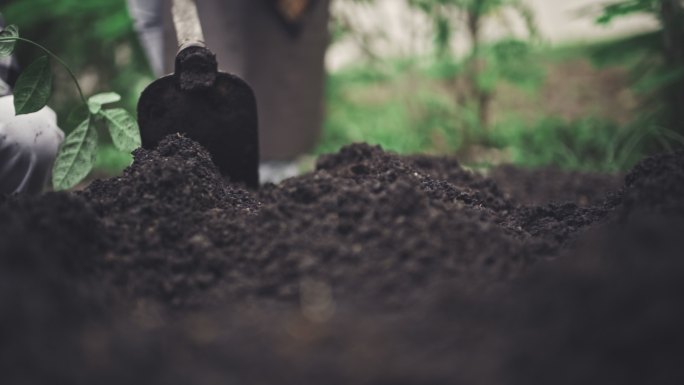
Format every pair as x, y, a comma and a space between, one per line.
7, 46
76, 156
94, 108
33, 87
105, 98
95, 102
123, 128
624, 8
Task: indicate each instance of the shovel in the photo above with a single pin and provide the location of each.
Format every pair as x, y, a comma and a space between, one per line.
216, 109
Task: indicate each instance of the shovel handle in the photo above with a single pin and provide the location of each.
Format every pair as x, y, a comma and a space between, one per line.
187, 24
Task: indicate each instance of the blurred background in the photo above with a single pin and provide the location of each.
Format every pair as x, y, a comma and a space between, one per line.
577, 84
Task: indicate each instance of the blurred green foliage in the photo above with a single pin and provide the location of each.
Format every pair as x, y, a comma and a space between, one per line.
617, 9
390, 104
587, 144
486, 63
110, 161
449, 95
658, 71
408, 106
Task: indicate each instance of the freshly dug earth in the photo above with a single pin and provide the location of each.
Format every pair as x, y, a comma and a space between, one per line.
539, 186
375, 269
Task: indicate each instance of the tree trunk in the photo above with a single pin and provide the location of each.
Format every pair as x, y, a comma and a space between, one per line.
473, 16
482, 97
484, 103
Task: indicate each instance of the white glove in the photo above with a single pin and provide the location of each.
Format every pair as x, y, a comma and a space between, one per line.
28, 147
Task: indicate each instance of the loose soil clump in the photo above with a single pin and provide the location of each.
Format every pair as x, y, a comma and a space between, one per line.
374, 268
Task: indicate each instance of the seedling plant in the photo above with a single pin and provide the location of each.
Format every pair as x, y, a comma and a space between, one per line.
77, 154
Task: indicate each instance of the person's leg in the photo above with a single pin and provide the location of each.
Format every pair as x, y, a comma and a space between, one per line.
147, 21
285, 70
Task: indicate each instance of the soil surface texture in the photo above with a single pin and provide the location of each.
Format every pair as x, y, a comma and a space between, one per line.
373, 269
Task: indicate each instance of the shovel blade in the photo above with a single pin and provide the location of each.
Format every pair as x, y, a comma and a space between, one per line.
222, 118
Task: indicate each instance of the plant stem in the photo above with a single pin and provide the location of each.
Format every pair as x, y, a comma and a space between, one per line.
60, 61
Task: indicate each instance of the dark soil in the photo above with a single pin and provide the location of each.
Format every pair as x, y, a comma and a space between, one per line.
374, 269
539, 186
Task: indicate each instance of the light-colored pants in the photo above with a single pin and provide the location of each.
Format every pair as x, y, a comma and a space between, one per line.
286, 71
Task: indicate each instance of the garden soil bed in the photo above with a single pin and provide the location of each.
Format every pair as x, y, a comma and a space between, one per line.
373, 269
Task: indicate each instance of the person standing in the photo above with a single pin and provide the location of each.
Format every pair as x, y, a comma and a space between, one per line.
277, 46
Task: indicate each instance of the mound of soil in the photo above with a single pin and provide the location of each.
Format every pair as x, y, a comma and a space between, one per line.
375, 268
182, 236
545, 185
167, 218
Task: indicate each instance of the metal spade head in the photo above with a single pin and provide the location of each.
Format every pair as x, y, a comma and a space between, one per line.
216, 109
